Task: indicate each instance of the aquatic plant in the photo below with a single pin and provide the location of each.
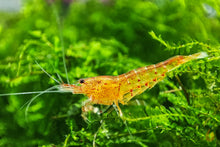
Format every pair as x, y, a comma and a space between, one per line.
110, 39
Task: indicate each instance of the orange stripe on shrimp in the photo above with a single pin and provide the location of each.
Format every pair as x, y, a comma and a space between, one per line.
108, 90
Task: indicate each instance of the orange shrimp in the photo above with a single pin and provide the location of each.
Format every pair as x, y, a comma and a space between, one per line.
108, 90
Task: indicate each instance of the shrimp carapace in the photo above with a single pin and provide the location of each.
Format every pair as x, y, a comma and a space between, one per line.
107, 90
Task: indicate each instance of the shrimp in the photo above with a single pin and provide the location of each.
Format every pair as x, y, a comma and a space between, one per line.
108, 90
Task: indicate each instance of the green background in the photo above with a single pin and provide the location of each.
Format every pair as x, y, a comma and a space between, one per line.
110, 38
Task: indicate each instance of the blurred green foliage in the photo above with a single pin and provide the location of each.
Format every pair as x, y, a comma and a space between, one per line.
110, 38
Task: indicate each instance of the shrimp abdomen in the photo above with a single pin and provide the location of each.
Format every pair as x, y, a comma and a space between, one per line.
137, 81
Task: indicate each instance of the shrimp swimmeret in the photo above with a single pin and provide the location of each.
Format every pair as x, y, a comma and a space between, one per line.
109, 90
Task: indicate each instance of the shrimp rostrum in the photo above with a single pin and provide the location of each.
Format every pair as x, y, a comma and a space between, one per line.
108, 90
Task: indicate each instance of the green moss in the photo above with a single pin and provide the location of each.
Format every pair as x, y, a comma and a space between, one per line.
110, 39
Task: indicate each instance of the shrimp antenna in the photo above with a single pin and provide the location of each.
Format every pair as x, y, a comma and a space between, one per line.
59, 77
64, 61
24, 93
61, 40
47, 72
34, 98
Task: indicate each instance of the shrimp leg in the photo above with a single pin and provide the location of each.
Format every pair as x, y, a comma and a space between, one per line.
107, 110
122, 118
87, 106
119, 109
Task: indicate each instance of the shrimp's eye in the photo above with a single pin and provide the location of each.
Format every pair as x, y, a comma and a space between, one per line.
81, 81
